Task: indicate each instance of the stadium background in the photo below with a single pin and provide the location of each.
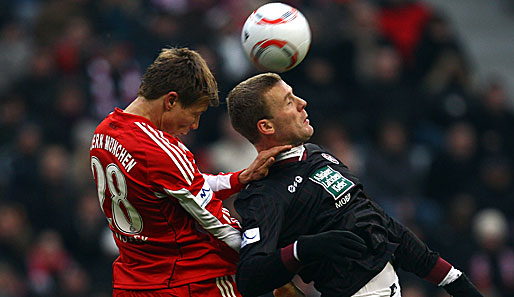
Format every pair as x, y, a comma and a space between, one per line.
392, 90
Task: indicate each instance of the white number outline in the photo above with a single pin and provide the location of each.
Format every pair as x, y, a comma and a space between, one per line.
133, 224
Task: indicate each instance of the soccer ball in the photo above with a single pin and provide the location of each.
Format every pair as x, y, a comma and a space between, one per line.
276, 37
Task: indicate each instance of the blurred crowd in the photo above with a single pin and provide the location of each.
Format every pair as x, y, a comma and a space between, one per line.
390, 91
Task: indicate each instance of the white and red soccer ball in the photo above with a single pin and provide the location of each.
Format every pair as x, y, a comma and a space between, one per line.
276, 37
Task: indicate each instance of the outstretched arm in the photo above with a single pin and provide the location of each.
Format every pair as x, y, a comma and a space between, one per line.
413, 255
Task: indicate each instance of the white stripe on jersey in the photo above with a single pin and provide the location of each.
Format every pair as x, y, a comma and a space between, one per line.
218, 182
226, 288
165, 149
177, 148
231, 288
222, 291
182, 146
222, 231
181, 156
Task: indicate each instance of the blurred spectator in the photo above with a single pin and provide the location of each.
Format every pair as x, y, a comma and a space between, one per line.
14, 54
365, 35
47, 262
12, 115
72, 46
15, 236
390, 174
387, 94
56, 192
75, 283
492, 266
65, 110
495, 121
53, 18
439, 61
453, 171
403, 22
39, 85
113, 78
231, 152
459, 221
12, 284
496, 187
20, 160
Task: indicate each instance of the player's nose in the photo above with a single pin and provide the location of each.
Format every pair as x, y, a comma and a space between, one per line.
301, 104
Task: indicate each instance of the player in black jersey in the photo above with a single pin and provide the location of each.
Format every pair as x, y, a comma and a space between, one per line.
311, 217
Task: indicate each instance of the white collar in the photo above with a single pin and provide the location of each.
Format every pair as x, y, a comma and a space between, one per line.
296, 151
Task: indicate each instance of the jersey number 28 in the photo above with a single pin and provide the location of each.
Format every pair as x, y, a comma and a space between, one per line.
128, 221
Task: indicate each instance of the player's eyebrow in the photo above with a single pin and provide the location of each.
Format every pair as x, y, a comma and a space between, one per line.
289, 94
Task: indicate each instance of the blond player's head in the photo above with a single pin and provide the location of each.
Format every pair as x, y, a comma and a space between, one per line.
181, 70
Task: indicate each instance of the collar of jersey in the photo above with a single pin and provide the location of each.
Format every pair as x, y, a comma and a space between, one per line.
294, 154
120, 112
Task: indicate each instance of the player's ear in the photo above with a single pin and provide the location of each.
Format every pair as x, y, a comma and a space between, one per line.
265, 127
170, 100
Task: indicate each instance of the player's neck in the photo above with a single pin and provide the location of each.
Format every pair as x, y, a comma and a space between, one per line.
261, 146
144, 108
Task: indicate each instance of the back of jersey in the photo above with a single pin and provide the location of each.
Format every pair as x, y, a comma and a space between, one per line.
144, 178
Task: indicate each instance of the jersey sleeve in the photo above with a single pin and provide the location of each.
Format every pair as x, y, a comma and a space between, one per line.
174, 174
260, 268
412, 254
224, 184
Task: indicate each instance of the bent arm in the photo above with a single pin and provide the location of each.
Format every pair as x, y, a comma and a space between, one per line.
261, 273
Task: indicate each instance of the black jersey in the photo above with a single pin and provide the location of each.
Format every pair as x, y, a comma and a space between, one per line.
310, 196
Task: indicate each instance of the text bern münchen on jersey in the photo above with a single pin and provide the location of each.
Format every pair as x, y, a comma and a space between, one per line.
111, 145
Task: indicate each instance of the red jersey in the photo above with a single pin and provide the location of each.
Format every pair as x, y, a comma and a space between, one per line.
169, 225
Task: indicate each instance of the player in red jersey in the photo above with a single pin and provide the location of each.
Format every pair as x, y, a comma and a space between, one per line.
167, 218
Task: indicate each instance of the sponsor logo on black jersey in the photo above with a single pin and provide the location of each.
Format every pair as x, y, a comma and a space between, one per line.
334, 183
330, 158
297, 180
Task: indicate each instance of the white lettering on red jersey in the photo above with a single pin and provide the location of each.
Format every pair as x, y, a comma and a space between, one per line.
166, 216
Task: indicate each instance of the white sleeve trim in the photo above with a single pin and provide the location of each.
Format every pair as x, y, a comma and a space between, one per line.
452, 275
195, 206
218, 182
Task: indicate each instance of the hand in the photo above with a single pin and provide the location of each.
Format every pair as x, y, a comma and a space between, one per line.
462, 287
288, 290
260, 166
334, 245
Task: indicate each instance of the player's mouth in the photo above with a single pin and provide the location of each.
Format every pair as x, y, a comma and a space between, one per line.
306, 120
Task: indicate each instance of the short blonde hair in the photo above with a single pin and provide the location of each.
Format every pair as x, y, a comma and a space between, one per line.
181, 70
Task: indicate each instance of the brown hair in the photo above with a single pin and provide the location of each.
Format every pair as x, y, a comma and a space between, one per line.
181, 70
247, 104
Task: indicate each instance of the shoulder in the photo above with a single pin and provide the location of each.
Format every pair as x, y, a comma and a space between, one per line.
164, 154
257, 195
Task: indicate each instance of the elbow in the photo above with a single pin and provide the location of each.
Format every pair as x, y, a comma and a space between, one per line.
244, 286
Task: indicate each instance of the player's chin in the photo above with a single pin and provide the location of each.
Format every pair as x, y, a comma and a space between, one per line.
310, 130
307, 133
